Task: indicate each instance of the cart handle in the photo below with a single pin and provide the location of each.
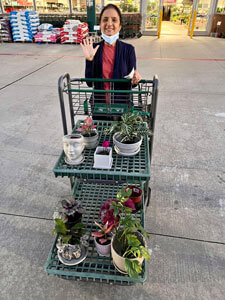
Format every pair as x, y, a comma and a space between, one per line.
109, 80
109, 91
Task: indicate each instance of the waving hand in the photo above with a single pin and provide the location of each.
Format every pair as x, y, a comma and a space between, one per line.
89, 51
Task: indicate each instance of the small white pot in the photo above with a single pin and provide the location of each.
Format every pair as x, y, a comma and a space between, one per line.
103, 250
126, 149
103, 161
91, 142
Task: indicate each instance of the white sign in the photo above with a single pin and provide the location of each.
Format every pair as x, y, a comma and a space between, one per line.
96, 27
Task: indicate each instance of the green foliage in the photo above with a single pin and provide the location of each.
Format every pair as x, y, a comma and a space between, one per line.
127, 6
133, 268
71, 235
127, 235
130, 127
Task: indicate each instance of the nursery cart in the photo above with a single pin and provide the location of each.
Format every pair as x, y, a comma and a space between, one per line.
94, 186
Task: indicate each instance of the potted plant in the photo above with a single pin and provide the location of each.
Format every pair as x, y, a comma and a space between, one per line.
136, 196
89, 132
102, 239
129, 134
128, 246
69, 211
72, 244
73, 146
103, 156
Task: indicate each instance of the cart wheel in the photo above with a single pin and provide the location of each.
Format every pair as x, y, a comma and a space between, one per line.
139, 35
148, 196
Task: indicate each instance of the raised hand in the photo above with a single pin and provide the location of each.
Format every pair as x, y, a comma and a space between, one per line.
87, 47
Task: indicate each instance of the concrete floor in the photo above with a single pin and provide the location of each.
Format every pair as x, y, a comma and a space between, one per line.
187, 210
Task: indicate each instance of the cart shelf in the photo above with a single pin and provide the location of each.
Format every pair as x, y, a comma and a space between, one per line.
94, 267
125, 168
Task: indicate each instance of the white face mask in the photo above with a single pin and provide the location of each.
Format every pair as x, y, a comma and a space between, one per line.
110, 39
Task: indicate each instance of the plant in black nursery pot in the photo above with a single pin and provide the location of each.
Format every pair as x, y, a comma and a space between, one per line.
69, 211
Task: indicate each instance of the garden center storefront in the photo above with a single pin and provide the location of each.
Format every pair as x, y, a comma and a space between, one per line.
175, 11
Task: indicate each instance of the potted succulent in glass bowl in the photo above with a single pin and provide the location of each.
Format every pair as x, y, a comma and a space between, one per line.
89, 133
102, 239
72, 244
103, 156
128, 246
128, 134
69, 211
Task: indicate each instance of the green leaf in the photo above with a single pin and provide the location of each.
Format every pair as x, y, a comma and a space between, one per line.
133, 268
65, 239
60, 227
78, 226
144, 253
133, 241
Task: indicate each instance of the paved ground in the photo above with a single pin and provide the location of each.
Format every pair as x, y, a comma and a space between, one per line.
187, 211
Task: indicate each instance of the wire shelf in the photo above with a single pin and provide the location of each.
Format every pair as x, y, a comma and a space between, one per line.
94, 267
125, 168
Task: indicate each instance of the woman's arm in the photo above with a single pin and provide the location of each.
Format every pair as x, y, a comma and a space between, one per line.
89, 54
136, 77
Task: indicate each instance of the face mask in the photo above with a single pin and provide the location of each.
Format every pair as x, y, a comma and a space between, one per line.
110, 39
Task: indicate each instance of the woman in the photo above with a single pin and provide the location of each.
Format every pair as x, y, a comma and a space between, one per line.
111, 58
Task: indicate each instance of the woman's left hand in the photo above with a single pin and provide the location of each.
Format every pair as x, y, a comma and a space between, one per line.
136, 78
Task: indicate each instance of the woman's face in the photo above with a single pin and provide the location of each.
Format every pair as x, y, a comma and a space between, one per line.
110, 22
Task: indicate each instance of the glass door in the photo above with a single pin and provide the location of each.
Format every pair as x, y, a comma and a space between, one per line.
151, 16
204, 15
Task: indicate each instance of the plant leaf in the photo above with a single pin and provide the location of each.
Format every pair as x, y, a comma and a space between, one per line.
133, 241
78, 226
65, 239
144, 253
97, 234
133, 268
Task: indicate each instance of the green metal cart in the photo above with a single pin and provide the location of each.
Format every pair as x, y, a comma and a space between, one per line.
94, 186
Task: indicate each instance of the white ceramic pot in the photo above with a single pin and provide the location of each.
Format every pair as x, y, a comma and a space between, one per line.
91, 142
103, 250
73, 146
103, 161
126, 149
119, 261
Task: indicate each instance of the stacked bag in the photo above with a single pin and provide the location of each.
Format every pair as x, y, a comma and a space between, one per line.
46, 33
24, 25
73, 31
5, 31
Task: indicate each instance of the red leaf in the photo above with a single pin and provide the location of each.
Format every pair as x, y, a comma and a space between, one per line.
102, 241
97, 234
109, 229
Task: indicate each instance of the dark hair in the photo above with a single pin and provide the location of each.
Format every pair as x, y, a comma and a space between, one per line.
111, 6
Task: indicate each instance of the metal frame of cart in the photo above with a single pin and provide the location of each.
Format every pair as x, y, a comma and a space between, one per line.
95, 186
